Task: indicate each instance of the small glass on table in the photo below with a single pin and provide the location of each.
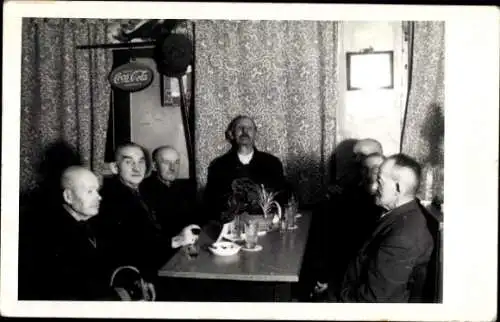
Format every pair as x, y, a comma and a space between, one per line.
251, 234
291, 210
191, 250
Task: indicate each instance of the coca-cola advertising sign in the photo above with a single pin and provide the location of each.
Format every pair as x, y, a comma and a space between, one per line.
131, 77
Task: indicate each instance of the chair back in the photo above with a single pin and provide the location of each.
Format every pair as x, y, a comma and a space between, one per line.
429, 288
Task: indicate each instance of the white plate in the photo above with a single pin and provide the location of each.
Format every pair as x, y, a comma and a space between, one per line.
224, 248
257, 248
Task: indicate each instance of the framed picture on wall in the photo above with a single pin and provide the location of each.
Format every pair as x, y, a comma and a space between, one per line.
370, 70
171, 95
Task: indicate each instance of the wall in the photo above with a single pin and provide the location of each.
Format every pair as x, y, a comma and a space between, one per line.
375, 113
153, 125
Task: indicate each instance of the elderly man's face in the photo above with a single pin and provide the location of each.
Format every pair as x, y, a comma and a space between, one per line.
244, 132
364, 148
167, 164
131, 164
371, 167
84, 195
386, 195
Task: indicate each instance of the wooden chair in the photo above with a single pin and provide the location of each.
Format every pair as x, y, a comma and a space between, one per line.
428, 288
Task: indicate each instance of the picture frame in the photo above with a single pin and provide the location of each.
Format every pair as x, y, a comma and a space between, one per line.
370, 70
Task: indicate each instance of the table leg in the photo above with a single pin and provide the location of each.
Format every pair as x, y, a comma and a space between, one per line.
282, 292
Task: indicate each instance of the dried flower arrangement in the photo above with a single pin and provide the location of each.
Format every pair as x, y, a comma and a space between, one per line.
250, 198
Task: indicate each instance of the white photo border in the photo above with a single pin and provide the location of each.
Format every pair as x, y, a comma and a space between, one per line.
471, 161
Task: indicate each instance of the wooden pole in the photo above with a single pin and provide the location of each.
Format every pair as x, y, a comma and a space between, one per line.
187, 128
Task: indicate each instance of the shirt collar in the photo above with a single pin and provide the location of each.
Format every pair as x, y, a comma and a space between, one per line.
163, 182
245, 159
74, 214
400, 208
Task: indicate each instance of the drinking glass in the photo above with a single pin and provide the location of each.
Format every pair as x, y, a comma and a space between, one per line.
290, 213
237, 228
251, 234
283, 223
192, 250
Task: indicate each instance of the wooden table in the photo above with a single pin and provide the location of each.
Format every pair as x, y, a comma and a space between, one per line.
279, 261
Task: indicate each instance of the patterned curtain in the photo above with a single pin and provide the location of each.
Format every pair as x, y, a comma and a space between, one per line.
65, 96
283, 74
423, 128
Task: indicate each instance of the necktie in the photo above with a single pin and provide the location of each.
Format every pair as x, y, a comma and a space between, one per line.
89, 232
149, 211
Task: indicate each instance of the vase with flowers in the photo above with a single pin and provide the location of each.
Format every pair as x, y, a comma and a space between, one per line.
250, 200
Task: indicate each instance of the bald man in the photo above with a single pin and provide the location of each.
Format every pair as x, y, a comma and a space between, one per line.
370, 166
367, 146
74, 266
399, 248
351, 219
172, 199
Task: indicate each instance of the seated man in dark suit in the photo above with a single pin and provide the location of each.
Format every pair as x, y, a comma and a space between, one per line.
244, 160
352, 219
73, 264
370, 167
385, 268
129, 226
173, 200
352, 176
349, 190
360, 208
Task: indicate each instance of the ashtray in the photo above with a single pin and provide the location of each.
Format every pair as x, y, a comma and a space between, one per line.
224, 248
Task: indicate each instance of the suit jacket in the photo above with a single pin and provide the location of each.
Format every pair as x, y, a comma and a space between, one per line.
387, 265
341, 227
264, 168
129, 228
72, 264
174, 205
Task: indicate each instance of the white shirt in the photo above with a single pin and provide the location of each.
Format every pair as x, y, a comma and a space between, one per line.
245, 159
384, 214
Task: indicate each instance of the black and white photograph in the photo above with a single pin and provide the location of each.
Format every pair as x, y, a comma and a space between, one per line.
194, 160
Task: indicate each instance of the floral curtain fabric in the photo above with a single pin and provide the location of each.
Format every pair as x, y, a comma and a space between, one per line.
423, 128
65, 96
284, 75
65, 93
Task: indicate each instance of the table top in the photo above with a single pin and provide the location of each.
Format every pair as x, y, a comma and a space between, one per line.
280, 259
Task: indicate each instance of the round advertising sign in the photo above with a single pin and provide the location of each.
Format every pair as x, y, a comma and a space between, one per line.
131, 77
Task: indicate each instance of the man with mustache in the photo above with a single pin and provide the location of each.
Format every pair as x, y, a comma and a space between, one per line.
244, 160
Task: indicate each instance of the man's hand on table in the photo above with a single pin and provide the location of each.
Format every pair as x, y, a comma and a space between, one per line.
188, 236
319, 292
320, 287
